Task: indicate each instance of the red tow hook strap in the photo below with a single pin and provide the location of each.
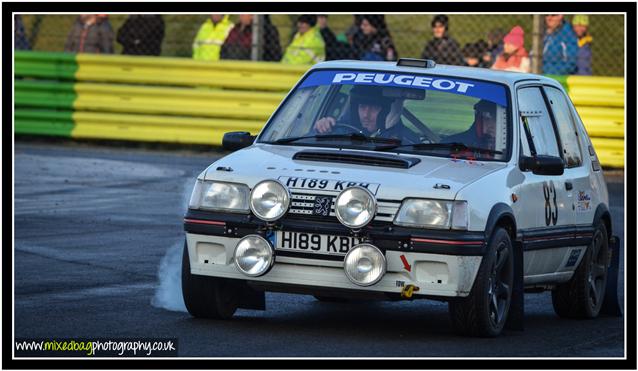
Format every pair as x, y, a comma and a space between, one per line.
405, 263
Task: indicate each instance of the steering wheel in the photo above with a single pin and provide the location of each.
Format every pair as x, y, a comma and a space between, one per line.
348, 126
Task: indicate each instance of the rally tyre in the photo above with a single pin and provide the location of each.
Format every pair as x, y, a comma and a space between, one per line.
207, 297
484, 312
582, 296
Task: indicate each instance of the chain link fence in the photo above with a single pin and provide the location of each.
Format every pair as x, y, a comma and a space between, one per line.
545, 43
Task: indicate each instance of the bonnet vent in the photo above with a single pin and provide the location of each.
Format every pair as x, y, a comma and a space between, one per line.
358, 158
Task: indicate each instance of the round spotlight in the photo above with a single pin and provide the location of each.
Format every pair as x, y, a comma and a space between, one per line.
355, 207
254, 256
364, 265
269, 200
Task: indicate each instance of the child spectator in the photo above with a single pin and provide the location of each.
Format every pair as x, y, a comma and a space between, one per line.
583, 62
307, 46
473, 54
141, 34
560, 46
442, 48
376, 43
210, 37
514, 56
494, 46
90, 34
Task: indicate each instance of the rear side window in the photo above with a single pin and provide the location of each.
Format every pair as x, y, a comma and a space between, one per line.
566, 128
538, 130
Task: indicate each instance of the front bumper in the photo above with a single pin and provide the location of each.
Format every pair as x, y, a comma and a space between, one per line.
435, 263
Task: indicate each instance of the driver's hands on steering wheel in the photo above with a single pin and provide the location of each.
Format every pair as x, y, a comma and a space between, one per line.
325, 124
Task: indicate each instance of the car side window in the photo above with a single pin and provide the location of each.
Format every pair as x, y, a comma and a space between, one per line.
566, 128
537, 125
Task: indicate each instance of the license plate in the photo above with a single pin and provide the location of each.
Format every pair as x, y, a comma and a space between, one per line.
314, 243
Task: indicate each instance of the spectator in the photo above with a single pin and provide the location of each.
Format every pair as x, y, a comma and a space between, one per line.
307, 46
442, 48
238, 44
514, 56
19, 35
376, 43
335, 49
560, 46
210, 37
583, 62
272, 47
90, 34
494, 46
353, 33
141, 34
473, 54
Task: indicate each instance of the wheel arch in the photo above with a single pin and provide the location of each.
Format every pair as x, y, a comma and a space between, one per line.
501, 215
602, 213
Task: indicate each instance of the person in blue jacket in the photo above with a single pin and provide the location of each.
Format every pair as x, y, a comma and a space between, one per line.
560, 46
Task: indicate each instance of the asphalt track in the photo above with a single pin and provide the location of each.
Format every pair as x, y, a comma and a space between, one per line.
94, 224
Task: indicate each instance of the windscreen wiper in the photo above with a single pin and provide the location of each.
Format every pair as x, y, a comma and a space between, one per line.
352, 136
453, 145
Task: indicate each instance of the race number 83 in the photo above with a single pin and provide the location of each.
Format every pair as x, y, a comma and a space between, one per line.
551, 208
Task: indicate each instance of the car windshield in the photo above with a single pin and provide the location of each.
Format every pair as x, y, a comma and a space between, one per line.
398, 112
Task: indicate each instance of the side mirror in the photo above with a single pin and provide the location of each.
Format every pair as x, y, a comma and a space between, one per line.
237, 140
542, 165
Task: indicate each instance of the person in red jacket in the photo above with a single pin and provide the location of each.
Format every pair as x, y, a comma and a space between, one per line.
514, 56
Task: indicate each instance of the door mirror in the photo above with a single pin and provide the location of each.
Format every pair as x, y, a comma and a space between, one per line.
237, 140
542, 165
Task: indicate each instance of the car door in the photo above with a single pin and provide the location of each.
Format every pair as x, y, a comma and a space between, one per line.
541, 198
577, 182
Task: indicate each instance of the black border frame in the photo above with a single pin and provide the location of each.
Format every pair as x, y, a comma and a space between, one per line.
449, 7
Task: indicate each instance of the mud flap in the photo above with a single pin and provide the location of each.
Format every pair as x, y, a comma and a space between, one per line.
611, 305
516, 316
251, 298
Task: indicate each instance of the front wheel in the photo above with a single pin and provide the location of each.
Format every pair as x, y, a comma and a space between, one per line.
484, 312
582, 296
208, 297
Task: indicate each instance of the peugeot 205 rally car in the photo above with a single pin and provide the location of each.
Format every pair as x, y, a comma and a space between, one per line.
404, 180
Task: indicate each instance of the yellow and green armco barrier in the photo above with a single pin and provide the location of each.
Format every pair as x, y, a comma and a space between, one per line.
180, 100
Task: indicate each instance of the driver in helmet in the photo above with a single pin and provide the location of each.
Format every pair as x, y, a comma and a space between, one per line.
482, 133
370, 113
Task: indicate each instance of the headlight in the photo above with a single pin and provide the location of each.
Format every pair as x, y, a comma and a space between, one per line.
254, 256
432, 214
364, 265
269, 200
220, 196
355, 207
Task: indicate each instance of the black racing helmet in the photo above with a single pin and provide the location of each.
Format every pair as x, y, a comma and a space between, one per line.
369, 94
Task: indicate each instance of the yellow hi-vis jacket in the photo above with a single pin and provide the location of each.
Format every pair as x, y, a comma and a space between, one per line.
209, 39
308, 48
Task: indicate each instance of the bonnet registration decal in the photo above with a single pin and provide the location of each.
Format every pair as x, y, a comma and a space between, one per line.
325, 184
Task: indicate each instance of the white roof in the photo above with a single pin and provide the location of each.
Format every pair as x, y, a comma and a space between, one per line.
504, 77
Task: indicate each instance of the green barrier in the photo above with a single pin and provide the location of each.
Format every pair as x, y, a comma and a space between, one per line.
187, 101
44, 122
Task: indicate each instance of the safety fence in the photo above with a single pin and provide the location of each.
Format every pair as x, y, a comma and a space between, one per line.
185, 101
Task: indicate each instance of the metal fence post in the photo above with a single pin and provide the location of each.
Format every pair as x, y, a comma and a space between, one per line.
537, 43
257, 41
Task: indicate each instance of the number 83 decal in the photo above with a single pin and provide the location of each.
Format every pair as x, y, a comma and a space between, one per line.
551, 208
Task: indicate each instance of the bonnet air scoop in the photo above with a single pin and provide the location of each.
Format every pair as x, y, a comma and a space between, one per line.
357, 158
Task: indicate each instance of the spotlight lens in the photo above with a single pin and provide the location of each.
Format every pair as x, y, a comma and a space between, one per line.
364, 265
355, 207
254, 256
269, 200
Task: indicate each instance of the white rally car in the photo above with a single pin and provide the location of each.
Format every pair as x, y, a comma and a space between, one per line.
405, 180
